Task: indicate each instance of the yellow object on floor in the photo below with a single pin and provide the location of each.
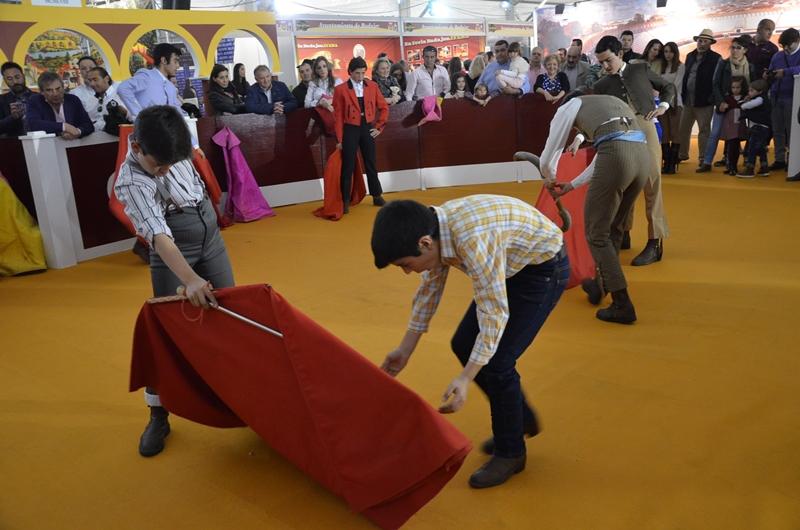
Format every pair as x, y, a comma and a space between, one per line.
686, 420
21, 248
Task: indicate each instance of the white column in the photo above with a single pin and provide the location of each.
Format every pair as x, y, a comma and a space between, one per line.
41, 157
794, 147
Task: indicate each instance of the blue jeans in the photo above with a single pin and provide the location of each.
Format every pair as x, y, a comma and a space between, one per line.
757, 145
713, 139
532, 294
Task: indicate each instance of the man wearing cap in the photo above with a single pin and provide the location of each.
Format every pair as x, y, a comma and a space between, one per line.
697, 93
305, 72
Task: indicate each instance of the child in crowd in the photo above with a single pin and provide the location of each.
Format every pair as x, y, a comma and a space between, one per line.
757, 110
510, 78
481, 95
458, 88
733, 130
517, 72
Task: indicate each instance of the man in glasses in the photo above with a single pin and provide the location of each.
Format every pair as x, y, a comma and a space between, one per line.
84, 91
697, 93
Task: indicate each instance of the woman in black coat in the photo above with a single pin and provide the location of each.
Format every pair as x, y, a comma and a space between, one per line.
221, 93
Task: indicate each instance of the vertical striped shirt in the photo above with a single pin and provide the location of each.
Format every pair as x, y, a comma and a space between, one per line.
145, 205
490, 238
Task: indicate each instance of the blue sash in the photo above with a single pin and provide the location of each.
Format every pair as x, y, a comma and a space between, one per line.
621, 136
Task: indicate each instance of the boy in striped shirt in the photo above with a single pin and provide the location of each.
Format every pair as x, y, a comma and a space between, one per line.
514, 256
166, 201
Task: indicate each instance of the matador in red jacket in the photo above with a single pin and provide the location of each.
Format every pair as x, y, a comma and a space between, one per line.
361, 112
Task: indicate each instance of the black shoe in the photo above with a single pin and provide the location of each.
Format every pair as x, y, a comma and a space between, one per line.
626, 240
720, 163
346, 209
496, 471
794, 178
651, 253
487, 447
763, 171
152, 441
593, 290
378, 200
747, 173
704, 168
621, 314
142, 251
778, 166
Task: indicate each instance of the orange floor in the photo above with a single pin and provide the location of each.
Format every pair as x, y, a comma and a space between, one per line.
686, 420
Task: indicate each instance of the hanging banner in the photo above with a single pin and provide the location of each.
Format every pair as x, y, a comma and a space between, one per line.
435, 29
447, 47
339, 51
346, 27
510, 30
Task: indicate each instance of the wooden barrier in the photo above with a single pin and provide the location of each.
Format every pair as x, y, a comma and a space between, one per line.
65, 182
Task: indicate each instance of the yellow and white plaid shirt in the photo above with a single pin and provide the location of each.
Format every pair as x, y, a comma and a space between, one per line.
489, 238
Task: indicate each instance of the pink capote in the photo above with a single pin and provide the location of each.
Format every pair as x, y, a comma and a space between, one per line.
245, 202
580, 258
315, 400
431, 110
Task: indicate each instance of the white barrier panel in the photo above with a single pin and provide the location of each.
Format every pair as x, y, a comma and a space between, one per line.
794, 147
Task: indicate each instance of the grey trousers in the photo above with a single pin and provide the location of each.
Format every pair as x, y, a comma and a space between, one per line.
654, 201
702, 115
620, 173
196, 234
781, 127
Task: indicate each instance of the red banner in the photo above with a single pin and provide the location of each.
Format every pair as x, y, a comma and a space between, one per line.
448, 47
339, 51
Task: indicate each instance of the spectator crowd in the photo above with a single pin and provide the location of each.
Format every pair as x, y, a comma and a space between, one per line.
744, 99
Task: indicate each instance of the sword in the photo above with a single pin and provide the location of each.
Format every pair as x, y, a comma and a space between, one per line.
180, 297
566, 218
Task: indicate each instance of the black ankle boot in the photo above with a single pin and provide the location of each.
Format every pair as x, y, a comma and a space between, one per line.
152, 441
621, 310
593, 290
496, 471
651, 253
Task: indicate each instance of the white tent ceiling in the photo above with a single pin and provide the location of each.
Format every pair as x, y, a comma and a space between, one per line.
458, 9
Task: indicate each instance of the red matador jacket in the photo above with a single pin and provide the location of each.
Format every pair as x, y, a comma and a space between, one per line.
312, 398
580, 258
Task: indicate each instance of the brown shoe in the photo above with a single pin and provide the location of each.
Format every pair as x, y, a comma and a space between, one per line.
378, 200
496, 471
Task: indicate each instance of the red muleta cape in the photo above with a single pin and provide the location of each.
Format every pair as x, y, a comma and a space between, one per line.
333, 204
311, 397
580, 258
